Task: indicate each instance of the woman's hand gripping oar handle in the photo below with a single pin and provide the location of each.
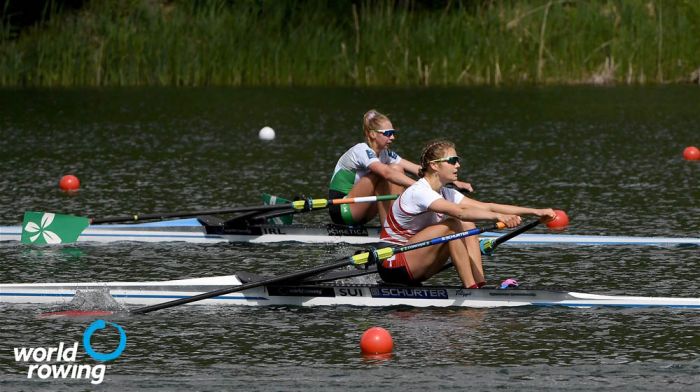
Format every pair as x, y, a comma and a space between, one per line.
489, 246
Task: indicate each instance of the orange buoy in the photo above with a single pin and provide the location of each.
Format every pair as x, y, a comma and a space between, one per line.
69, 182
691, 153
376, 340
560, 222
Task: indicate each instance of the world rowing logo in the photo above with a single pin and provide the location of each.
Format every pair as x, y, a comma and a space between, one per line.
101, 324
45, 362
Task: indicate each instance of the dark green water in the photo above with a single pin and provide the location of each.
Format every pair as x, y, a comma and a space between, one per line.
610, 157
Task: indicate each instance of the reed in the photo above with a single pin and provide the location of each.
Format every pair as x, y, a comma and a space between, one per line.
375, 43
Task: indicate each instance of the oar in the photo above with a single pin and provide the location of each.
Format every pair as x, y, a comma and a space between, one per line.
49, 228
299, 205
358, 259
490, 243
489, 246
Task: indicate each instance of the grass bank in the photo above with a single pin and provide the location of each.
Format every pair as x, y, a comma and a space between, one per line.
354, 43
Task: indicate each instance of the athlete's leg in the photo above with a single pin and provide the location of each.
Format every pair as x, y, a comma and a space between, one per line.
366, 186
474, 251
385, 187
373, 185
426, 262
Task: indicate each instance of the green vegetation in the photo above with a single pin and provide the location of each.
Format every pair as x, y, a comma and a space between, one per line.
354, 43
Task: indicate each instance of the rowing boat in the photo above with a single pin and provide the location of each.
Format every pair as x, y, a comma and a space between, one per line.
192, 230
326, 294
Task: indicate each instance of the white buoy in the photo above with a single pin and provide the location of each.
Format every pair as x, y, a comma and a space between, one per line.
266, 133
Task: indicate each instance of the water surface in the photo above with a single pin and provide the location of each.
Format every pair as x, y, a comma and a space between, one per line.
610, 157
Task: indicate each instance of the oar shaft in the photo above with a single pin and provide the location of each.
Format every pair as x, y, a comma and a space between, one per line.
187, 214
489, 246
515, 232
299, 205
210, 294
385, 253
446, 238
363, 199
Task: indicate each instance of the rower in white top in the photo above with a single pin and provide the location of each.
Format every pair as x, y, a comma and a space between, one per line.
372, 168
428, 209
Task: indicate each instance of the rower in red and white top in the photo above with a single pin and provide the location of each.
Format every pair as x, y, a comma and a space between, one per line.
427, 209
410, 213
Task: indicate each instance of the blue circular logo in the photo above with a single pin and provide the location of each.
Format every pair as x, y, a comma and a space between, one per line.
101, 324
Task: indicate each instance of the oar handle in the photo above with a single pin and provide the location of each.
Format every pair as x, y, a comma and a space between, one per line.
315, 204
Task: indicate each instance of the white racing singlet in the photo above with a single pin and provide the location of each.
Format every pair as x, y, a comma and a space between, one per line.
410, 214
354, 164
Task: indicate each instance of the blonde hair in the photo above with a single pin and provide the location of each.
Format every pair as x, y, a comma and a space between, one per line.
432, 151
372, 120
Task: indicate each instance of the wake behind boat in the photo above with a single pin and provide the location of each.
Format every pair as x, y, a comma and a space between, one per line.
197, 230
325, 294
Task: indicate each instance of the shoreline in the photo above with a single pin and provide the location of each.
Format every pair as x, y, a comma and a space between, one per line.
379, 44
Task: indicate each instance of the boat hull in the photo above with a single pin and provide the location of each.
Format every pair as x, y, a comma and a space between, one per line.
191, 231
150, 293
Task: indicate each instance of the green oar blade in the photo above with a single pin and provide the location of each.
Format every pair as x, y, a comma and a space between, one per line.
47, 228
274, 200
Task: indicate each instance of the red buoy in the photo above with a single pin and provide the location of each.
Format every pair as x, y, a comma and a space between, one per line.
691, 153
69, 182
376, 340
560, 222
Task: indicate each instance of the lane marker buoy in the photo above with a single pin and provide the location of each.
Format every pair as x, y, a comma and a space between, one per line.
69, 182
376, 340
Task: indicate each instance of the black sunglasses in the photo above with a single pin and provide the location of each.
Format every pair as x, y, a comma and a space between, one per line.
451, 160
386, 132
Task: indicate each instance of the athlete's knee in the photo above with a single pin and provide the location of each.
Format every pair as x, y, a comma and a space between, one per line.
454, 225
372, 179
396, 167
468, 225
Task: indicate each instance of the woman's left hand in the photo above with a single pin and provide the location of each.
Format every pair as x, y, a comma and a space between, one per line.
463, 186
546, 214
